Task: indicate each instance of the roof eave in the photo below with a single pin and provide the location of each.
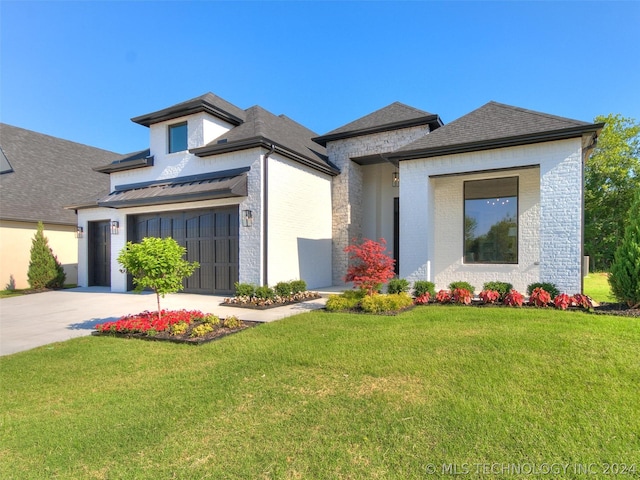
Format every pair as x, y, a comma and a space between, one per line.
504, 142
433, 121
260, 141
183, 110
127, 165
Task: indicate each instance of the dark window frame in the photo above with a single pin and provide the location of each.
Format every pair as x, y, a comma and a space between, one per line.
464, 216
171, 148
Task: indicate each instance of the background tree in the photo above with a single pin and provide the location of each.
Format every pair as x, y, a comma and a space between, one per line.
44, 269
612, 176
625, 270
156, 263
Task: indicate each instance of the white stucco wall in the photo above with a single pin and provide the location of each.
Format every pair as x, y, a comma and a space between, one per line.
560, 223
299, 223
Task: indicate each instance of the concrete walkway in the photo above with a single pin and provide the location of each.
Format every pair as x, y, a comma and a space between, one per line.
33, 320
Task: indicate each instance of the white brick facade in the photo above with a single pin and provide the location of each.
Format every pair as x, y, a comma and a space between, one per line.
550, 222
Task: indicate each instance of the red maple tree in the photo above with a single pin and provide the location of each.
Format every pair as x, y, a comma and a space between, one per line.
370, 265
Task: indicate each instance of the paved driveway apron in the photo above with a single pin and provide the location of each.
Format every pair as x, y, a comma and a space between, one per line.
38, 319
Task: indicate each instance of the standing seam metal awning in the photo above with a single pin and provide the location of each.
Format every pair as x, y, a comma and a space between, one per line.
226, 184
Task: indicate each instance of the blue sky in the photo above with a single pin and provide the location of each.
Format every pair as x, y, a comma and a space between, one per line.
81, 70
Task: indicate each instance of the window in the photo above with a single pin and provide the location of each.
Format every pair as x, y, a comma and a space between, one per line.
177, 137
491, 221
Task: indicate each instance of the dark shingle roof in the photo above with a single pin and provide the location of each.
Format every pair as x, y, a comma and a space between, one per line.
48, 173
494, 125
262, 128
208, 102
392, 117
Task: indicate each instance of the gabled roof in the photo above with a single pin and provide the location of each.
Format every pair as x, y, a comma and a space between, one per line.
208, 102
494, 125
264, 129
48, 173
392, 117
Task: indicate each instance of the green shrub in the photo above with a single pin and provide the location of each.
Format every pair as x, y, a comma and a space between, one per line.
501, 287
421, 287
44, 269
397, 285
201, 330
211, 319
550, 288
265, 293
298, 286
245, 289
625, 269
348, 300
386, 303
283, 289
462, 286
231, 322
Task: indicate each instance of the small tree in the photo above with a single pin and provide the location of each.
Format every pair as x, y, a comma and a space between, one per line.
44, 269
370, 266
625, 270
156, 263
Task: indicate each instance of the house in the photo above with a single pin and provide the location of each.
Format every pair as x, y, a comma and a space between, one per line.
39, 175
258, 198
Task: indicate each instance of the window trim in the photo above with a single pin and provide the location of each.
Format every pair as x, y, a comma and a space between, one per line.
169, 129
464, 216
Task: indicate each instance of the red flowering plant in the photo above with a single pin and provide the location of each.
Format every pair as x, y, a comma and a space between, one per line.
513, 299
146, 321
443, 296
422, 299
580, 300
489, 296
562, 301
370, 266
462, 296
540, 297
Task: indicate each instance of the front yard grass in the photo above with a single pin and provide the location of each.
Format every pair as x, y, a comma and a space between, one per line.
596, 285
330, 396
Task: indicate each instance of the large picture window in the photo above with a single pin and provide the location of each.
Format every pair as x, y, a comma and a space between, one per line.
491, 220
177, 137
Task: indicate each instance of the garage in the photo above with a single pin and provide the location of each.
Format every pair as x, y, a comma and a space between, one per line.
211, 238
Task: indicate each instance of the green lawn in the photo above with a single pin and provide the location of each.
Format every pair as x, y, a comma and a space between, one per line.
596, 285
330, 396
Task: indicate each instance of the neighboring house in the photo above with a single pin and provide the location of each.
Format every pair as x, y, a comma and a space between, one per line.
258, 198
39, 175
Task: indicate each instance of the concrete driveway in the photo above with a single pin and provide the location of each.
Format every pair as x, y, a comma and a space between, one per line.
38, 319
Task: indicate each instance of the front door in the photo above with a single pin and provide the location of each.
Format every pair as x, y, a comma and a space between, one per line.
100, 254
396, 234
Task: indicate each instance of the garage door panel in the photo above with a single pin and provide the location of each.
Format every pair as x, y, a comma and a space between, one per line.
211, 238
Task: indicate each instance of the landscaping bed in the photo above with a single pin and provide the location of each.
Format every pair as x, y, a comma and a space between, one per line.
258, 303
181, 326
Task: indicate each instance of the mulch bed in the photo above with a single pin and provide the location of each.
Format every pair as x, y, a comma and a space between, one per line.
619, 309
259, 306
182, 338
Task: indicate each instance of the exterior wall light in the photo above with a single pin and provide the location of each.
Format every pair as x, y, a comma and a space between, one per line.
79, 232
247, 218
395, 180
115, 227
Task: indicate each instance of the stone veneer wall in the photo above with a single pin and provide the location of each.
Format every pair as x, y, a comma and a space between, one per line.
347, 206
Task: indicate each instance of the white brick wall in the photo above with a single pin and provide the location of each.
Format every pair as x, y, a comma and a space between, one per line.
558, 237
299, 212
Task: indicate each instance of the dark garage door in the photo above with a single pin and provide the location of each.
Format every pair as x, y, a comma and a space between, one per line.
210, 237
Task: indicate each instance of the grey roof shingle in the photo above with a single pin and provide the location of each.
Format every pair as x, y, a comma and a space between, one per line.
393, 116
494, 125
48, 173
262, 128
